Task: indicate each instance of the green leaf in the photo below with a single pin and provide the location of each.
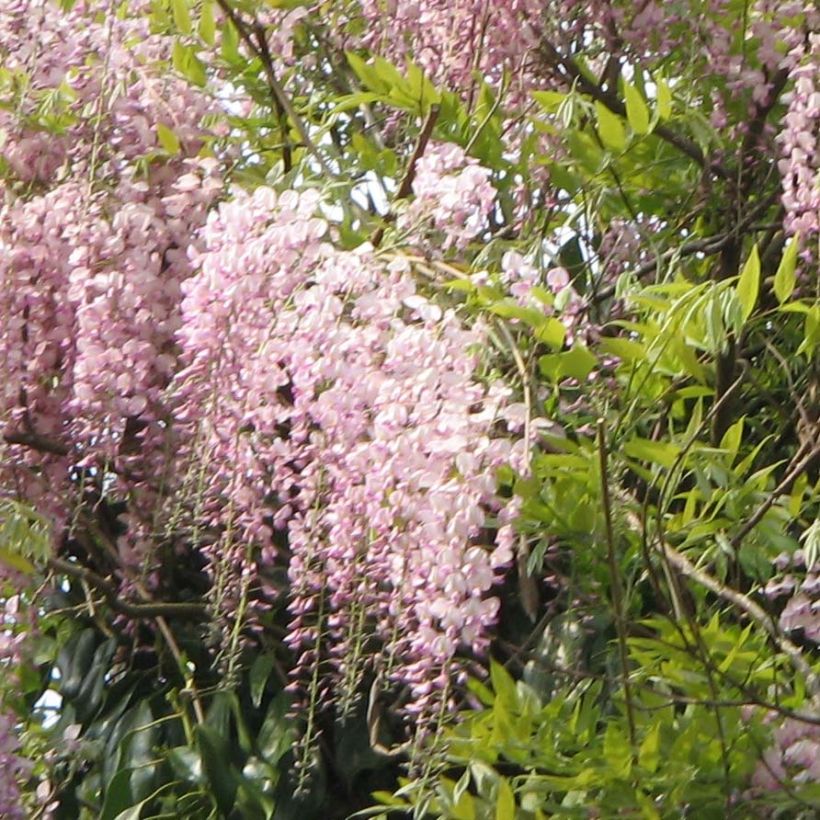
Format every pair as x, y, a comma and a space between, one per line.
220, 773
167, 139
663, 453
369, 76
230, 44
732, 437
207, 24
748, 285
576, 364
186, 763
509, 309
610, 128
505, 802
784, 279
552, 332
626, 349
503, 684
811, 332
275, 737
260, 672
649, 753
182, 17
464, 809
636, 111
117, 795
132, 813
16, 562
664, 96
550, 101
186, 62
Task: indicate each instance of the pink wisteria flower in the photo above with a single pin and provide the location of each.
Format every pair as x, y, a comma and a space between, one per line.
453, 193
328, 399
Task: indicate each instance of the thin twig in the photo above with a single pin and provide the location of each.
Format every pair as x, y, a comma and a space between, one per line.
617, 590
791, 476
278, 91
111, 595
406, 185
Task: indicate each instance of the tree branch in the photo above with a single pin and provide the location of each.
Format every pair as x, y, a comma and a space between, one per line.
573, 75
111, 594
261, 51
406, 185
35, 441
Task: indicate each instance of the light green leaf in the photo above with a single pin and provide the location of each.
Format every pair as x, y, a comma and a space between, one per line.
16, 562
610, 128
636, 111
186, 62
664, 453
230, 43
207, 24
732, 437
464, 809
785, 278
167, 139
649, 753
182, 17
552, 332
550, 101
748, 285
576, 364
626, 349
505, 802
503, 684
664, 96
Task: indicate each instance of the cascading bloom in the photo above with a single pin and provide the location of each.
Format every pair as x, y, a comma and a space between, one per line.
91, 269
452, 39
452, 193
13, 771
800, 145
329, 400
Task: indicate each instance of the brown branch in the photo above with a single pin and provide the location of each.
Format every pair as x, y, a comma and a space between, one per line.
785, 485
111, 594
573, 75
753, 610
277, 90
406, 185
35, 441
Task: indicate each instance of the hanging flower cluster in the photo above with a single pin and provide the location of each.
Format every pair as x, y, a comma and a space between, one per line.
13, 771
91, 267
245, 388
452, 194
800, 163
326, 398
450, 41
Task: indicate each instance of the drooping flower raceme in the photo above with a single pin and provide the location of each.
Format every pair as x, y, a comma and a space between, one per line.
95, 221
13, 771
800, 145
452, 194
326, 398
